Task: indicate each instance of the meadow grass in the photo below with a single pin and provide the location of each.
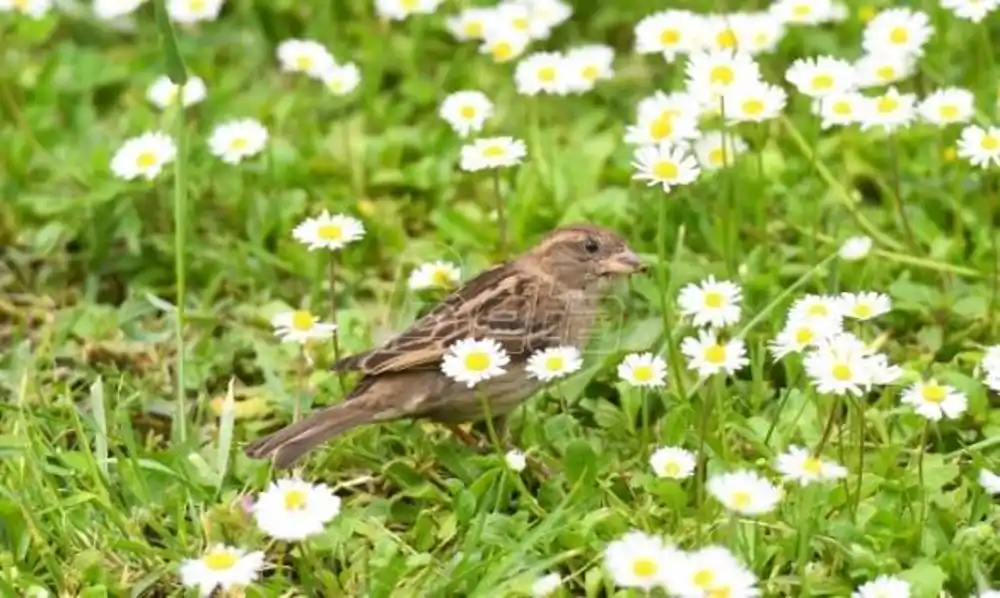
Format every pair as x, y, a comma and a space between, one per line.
113, 470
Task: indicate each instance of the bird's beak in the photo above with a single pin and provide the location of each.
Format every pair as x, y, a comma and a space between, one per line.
625, 262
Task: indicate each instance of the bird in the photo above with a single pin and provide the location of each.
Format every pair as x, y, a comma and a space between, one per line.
545, 297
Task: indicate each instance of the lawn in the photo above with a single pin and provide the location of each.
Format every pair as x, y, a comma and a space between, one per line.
815, 453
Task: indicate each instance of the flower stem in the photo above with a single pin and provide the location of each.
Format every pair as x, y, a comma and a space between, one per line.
991, 202
911, 240
673, 360
700, 462
501, 216
828, 428
806, 517
333, 314
180, 269
920, 480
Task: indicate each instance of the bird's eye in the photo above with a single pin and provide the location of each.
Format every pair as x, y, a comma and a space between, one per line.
591, 245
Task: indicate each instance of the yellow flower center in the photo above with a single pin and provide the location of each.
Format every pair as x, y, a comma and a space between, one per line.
493, 151
721, 75
933, 393
886, 105
477, 362
715, 156
948, 112
753, 107
502, 51
238, 143
665, 170
303, 62
804, 335
197, 5
555, 363
885, 73
990, 143
467, 111
672, 470
336, 85
473, 29
21, 4
670, 37
295, 500
642, 373
899, 35
661, 127
172, 92
812, 465
741, 499
721, 592
802, 10
842, 372
822, 82
441, 278
862, 310
644, 567
818, 310
949, 154
714, 299
703, 578
521, 23
302, 319
715, 354
547, 74
409, 5
726, 39
330, 232
219, 560
145, 160
843, 107
590, 73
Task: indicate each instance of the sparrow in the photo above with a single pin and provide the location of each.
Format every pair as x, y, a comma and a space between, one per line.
545, 297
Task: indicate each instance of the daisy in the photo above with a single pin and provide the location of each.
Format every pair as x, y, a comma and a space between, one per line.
802, 12
291, 509
143, 156
548, 13
884, 586
471, 361
708, 356
470, 23
515, 460
587, 65
855, 248
664, 118
546, 585
543, 72
669, 32
753, 102
235, 140
947, 106
761, 32
980, 146
221, 566
819, 307
841, 109
435, 275
711, 303
713, 571
935, 401
744, 492
36, 9
466, 111
304, 56
504, 43
723, 31
897, 31
712, 154
989, 481
638, 560
876, 70
891, 110
163, 92
664, 164
643, 370
492, 152
821, 76
193, 11
399, 10
518, 16
865, 305
341, 79
972, 10
713, 73
554, 362
840, 365
301, 326
328, 232
882, 372
672, 462
113, 9
803, 333
799, 465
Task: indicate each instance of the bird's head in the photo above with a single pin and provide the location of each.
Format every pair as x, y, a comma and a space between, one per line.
578, 255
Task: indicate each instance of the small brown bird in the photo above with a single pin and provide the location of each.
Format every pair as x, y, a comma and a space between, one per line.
545, 297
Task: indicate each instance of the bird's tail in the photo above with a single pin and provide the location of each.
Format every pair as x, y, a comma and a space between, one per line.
288, 444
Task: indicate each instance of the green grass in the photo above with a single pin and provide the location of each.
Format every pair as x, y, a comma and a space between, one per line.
100, 493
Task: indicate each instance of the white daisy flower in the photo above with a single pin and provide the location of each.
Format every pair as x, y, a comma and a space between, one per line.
712, 154
713, 571
980, 146
143, 156
799, 465
821, 76
341, 79
471, 361
761, 33
744, 492
466, 111
670, 33
819, 307
163, 92
708, 356
546, 585
492, 152
517, 15
554, 363
711, 74
884, 586
855, 248
543, 72
897, 31
989, 481
587, 65
876, 70
221, 566
669, 118
672, 462
711, 303
972, 10
107, 10
722, 31
515, 460
470, 23
301, 326
800, 334
328, 232
891, 110
291, 509
643, 370
36, 9
235, 140
193, 11
840, 365
304, 56
947, 106
504, 43
841, 109
665, 165
882, 372
803, 12
753, 102
638, 560
399, 10
435, 275
865, 305
935, 401
548, 13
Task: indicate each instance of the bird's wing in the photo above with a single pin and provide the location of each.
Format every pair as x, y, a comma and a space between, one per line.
504, 304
